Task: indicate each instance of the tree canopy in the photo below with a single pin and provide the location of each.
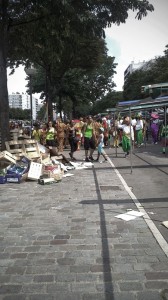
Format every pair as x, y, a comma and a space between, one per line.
155, 71
59, 36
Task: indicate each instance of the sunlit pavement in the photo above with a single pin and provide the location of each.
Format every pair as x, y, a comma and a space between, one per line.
63, 241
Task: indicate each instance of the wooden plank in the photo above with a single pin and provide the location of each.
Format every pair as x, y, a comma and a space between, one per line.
23, 147
7, 156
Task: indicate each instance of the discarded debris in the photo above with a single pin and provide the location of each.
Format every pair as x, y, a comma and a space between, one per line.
68, 175
165, 223
130, 215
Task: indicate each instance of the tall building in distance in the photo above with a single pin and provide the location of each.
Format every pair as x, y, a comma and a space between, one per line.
22, 101
133, 67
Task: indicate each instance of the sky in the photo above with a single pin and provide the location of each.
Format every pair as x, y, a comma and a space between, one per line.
17, 82
138, 40
135, 40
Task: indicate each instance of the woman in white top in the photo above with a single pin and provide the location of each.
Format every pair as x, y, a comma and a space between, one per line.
139, 130
127, 136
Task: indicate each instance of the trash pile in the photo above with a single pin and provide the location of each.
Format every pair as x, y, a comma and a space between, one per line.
40, 164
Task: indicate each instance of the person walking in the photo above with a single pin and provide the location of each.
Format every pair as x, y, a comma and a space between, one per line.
155, 127
89, 139
43, 134
73, 141
164, 137
139, 130
50, 135
60, 128
36, 134
78, 127
127, 136
101, 145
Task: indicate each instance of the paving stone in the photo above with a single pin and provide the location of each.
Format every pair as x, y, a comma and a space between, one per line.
79, 269
62, 237
130, 286
66, 277
41, 297
43, 278
149, 295
15, 297
66, 261
143, 266
21, 279
32, 249
156, 285
83, 286
147, 259
97, 296
122, 246
58, 242
125, 296
79, 251
156, 275
53, 288
10, 289
15, 270
18, 255
34, 288
58, 296
4, 278
4, 255
122, 268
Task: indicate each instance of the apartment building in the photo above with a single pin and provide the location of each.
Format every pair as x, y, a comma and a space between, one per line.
22, 101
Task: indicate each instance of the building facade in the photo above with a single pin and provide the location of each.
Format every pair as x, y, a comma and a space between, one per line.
22, 101
133, 67
143, 65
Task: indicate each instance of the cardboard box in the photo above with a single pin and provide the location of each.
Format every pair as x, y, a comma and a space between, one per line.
15, 178
17, 169
35, 171
2, 179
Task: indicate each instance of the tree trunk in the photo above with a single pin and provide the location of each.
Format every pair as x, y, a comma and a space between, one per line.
4, 104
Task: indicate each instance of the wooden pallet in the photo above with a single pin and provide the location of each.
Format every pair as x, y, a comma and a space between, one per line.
6, 158
28, 148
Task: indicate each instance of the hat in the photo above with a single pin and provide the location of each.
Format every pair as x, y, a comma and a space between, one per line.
102, 129
138, 115
155, 116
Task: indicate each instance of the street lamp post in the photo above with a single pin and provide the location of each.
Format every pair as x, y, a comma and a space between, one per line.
30, 72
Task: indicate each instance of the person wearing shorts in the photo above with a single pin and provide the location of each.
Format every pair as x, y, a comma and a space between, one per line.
101, 145
89, 139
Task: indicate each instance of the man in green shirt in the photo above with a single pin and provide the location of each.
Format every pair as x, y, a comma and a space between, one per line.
89, 138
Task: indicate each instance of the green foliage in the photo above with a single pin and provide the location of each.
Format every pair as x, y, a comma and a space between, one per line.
156, 72
19, 114
108, 101
58, 36
41, 114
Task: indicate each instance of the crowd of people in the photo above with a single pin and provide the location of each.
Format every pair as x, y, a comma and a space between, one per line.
96, 133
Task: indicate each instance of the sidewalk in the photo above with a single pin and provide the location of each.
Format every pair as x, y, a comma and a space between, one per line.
63, 241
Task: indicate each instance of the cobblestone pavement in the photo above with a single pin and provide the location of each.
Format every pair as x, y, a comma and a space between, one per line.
63, 242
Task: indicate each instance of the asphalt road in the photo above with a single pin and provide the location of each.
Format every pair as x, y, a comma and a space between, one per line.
148, 179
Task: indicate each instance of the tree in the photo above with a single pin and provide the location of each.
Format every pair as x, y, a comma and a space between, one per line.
108, 101
4, 106
155, 71
26, 26
19, 114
